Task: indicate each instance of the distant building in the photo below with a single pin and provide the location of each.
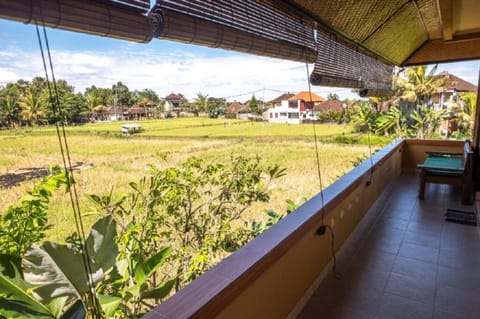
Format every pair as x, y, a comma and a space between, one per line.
236, 107
329, 105
293, 109
136, 112
453, 86
173, 101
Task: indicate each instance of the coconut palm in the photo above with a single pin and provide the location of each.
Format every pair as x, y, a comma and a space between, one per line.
463, 107
32, 108
418, 86
9, 111
201, 102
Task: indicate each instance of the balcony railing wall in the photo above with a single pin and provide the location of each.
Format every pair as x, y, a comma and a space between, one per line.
272, 275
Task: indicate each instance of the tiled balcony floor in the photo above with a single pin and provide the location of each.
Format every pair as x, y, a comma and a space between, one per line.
405, 261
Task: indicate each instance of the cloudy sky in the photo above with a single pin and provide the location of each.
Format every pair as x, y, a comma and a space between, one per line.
163, 66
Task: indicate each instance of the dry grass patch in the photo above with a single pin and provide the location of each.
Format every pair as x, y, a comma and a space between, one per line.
112, 162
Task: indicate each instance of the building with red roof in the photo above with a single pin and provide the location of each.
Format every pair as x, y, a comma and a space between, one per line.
293, 109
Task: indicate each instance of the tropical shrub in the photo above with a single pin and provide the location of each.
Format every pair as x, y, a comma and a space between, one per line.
196, 208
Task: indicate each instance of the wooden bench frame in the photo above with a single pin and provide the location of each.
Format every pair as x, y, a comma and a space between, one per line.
447, 175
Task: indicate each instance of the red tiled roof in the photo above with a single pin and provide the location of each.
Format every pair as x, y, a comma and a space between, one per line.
305, 96
174, 97
283, 97
136, 109
329, 105
455, 83
235, 107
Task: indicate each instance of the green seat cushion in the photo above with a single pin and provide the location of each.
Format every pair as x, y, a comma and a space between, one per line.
443, 162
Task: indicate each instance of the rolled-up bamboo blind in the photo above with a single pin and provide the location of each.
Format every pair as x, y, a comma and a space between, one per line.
338, 64
258, 27
104, 18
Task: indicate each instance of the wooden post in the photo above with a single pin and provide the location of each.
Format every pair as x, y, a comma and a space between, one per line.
476, 140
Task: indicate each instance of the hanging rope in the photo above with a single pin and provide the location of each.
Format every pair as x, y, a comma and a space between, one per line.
371, 159
94, 308
323, 226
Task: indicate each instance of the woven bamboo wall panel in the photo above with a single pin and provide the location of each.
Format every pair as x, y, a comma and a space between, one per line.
406, 27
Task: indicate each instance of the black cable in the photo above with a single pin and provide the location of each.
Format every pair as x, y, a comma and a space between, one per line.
64, 150
317, 157
371, 159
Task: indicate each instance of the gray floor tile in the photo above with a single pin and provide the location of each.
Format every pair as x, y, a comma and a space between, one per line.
414, 268
407, 262
416, 289
396, 307
458, 301
419, 252
459, 278
423, 239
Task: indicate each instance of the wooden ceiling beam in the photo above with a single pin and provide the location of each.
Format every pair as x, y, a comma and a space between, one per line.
438, 51
446, 14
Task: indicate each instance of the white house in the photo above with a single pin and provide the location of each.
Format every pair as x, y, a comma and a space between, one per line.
293, 109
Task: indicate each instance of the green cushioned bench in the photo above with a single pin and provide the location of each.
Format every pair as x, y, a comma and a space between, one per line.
448, 168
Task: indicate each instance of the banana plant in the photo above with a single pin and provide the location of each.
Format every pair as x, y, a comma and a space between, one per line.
51, 282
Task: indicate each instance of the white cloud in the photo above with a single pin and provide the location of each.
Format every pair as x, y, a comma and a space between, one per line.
180, 71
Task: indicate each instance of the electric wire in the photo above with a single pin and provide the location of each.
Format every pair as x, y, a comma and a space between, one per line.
317, 159
66, 159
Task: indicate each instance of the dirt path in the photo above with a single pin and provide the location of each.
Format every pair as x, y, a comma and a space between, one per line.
25, 174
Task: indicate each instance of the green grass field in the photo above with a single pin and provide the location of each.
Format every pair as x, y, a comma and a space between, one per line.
111, 160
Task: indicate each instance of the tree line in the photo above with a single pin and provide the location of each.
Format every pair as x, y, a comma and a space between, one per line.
408, 112
28, 103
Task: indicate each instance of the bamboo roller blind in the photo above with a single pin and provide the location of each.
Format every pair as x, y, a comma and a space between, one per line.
340, 65
120, 19
250, 26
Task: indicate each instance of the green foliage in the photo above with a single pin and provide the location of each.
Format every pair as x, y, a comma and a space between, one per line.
216, 107
26, 223
253, 106
364, 118
255, 228
426, 121
331, 116
16, 295
193, 207
394, 122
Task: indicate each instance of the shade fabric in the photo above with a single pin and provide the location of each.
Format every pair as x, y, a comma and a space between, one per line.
122, 19
267, 27
340, 64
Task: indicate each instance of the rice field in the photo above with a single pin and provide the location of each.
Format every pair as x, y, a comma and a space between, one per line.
110, 160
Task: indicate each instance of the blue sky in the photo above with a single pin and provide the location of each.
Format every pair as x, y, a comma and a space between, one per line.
163, 66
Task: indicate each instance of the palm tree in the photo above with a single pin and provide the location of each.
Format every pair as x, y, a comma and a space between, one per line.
32, 108
418, 86
10, 111
463, 107
201, 101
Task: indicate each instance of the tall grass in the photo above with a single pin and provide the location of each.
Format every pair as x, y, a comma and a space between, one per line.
111, 161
